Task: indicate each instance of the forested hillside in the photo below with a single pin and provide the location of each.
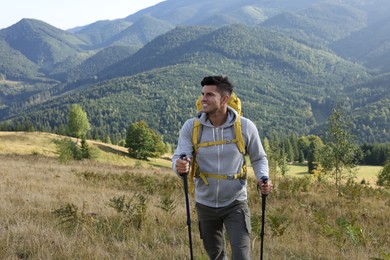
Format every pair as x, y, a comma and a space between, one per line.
313, 25
291, 63
370, 46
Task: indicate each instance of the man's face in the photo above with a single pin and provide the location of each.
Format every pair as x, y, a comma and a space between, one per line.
212, 101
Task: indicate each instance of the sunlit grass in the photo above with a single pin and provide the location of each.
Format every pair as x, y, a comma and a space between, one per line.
27, 143
367, 172
39, 143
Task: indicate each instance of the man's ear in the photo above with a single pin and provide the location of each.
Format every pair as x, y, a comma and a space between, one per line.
226, 99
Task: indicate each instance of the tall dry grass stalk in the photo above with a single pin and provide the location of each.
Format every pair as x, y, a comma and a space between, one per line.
92, 210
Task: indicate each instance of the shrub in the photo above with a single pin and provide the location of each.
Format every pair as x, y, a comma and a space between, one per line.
132, 211
69, 150
143, 142
278, 221
168, 204
291, 186
384, 175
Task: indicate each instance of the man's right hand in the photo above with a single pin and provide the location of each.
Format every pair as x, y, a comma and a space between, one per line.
183, 166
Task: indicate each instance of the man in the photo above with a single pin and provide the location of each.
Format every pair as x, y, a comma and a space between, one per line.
222, 202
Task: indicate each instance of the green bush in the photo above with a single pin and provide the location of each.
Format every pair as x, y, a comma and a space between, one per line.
289, 187
132, 211
143, 142
384, 175
68, 150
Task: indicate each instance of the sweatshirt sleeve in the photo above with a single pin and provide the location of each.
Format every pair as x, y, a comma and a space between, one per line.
256, 151
184, 143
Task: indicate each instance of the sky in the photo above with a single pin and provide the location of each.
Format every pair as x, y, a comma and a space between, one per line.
66, 14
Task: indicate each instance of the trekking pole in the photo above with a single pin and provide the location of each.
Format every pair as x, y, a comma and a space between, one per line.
185, 180
263, 201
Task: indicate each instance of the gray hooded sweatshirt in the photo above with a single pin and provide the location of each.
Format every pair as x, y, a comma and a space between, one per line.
222, 159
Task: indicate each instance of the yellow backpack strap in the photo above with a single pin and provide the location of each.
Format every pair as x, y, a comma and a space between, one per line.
205, 144
195, 135
195, 139
240, 175
238, 131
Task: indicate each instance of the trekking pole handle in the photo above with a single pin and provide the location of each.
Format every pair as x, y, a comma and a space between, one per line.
183, 156
264, 180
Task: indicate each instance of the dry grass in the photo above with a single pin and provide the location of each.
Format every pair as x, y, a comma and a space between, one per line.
368, 173
304, 220
31, 187
39, 143
27, 143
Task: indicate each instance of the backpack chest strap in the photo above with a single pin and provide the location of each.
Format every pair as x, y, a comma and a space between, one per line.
205, 144
205, 175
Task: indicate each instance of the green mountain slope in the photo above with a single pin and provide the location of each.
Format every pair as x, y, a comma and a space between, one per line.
253, 49
163, 51
370, 46
313, 22
91, 67
98, 33
14, 65
319, 24
247, 14
369, 106
31, 50
219, 12
141, 32
40, 42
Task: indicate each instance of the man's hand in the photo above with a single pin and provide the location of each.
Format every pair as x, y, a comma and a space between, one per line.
183, 166
265, 188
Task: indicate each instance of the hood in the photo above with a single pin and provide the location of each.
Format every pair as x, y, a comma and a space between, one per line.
231, 119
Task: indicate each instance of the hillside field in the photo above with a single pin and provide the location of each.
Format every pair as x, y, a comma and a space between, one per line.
116, 207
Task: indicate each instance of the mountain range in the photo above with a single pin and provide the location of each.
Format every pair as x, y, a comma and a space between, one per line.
291, 63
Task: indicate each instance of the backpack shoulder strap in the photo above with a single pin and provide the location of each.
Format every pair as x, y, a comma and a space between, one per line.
195, 135
239, 137
195, 139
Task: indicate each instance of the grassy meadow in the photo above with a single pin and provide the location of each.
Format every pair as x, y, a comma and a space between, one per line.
116, 207
368, 173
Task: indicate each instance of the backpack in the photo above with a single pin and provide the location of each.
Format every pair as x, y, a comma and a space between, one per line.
235, 103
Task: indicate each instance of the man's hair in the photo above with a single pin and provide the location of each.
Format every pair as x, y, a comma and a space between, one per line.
223, 84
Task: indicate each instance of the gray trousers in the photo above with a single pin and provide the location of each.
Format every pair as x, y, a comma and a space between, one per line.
236, 220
